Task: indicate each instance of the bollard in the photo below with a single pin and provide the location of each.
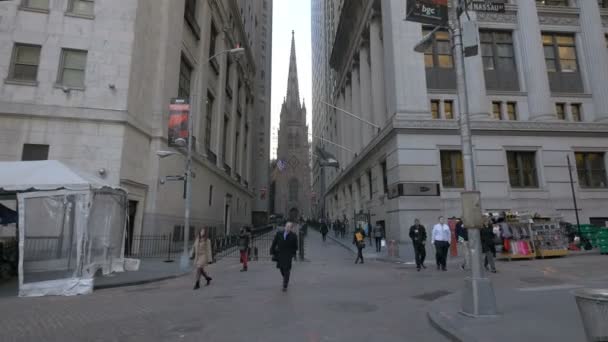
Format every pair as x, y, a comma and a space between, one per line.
393, 249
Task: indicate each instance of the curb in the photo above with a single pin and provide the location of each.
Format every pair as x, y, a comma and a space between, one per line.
137, 282
442, 323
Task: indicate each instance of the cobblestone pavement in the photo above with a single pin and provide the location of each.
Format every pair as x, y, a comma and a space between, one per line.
330, 299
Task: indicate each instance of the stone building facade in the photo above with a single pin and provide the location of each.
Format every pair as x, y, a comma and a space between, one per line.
291, 174
537, 96
89, 83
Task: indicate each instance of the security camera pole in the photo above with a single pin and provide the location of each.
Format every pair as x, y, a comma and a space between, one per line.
478, 297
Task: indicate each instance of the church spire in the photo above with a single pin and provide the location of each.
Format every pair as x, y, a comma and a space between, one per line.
293, 92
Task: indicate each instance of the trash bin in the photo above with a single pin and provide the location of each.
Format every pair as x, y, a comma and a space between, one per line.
593, 307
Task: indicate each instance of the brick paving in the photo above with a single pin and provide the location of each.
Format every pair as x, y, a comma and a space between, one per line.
330, 299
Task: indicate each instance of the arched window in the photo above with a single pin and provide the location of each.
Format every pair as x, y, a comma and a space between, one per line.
291, 141
293, 189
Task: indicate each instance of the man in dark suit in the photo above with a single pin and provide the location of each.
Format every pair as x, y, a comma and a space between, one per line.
283, 249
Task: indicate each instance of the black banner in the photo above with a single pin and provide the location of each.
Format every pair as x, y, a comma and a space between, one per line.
179, 111
432, 12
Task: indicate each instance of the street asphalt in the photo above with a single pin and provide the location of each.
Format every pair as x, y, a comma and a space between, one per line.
329, 299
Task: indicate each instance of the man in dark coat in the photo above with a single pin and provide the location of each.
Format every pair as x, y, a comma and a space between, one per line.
488, 248
283, 249
324, 231
418, 236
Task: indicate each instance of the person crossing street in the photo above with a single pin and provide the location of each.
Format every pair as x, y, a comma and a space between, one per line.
418, 236
441, 237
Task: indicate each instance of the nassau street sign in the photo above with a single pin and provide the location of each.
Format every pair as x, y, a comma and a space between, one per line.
487, 6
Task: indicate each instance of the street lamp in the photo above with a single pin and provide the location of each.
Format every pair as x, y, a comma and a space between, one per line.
184, 261
478, 298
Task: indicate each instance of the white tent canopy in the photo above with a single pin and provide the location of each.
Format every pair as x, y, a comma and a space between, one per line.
46, 175
71, 224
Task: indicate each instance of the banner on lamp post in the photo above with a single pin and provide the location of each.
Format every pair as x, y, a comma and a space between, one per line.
179, 110
431, 12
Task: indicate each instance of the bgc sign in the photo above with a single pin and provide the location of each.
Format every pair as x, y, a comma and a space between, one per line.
431, 12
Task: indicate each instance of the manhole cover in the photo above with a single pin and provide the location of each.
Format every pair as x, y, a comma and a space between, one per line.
352, 307
542, 281
431, 296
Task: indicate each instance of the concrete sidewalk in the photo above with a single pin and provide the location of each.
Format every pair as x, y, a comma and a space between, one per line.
543, 314
150, 270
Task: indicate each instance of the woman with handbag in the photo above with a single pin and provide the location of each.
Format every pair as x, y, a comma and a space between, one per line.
201, 253
359, 241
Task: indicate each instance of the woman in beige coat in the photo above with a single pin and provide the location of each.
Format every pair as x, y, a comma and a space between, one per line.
201, 253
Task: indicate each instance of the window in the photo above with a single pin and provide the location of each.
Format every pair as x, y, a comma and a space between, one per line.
185, 72
42, 5
225, 137
603, 3
448, 109
522, 169
591, 169
81, 7
560, 52
35, 152
560, 109
575, 108
561, 61
25, 61
370, 184
435, 109
209, 121
384, 177
512, 111
439, 54
452, 171
210, 195
190, 16
561, 3
293, 190
237, 137
72, 70
499, 60
440, 73
496, 111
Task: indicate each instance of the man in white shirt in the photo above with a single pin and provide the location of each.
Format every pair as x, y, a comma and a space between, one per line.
441, 237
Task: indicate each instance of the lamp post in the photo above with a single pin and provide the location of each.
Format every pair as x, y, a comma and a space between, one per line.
478, 296
184, 260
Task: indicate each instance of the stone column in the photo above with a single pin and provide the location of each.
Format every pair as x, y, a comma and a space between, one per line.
535, 70
236, 93
342, 130
243, 137
476, 82
380, 114
366, 93
200, 122
348, 122
356, 109
596, 56
221, 102
250, 152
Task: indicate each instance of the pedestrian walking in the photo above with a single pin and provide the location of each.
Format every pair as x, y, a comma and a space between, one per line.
201, 253
324, 231
441, 237
359, 241
463, 241
418, 236
244, 241
283, 250
378, 235
488, 248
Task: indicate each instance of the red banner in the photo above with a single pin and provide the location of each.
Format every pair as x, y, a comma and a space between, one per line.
179, 111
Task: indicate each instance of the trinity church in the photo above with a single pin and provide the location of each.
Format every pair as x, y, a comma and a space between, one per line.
291, 174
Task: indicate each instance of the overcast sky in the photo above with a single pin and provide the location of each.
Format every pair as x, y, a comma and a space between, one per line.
290, 15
